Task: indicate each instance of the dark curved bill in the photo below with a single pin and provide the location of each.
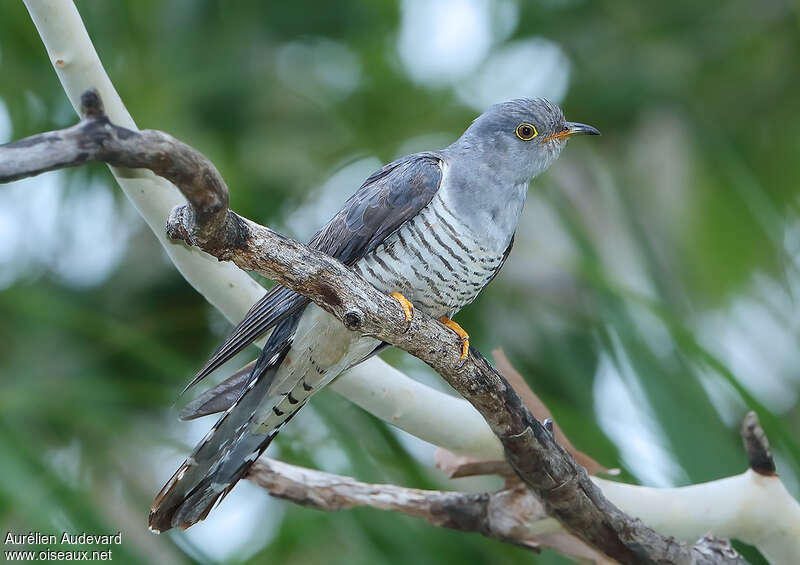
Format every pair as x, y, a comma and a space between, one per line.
574, 128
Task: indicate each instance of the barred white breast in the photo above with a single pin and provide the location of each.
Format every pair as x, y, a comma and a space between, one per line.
435, 260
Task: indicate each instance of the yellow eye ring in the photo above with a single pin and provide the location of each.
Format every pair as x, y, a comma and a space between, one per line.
526, 131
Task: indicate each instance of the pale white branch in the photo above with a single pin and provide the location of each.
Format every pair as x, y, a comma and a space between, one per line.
79, 69
756, 509
422, 411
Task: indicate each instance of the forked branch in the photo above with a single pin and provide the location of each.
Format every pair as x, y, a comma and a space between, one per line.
512, 514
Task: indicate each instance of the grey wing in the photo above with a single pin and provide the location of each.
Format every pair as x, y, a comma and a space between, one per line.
271, 309
386, 200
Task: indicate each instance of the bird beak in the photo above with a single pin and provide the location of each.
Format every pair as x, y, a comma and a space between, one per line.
574, 128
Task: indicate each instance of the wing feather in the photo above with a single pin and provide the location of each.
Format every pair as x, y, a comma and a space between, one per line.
387, 199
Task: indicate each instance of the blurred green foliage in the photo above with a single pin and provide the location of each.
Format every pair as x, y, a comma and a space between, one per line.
667, 250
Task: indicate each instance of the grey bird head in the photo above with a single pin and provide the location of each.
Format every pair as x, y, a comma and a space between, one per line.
521, 137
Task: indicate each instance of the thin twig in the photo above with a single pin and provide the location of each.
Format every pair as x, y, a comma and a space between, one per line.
757, 446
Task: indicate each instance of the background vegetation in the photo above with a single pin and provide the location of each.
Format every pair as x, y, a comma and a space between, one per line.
651, 297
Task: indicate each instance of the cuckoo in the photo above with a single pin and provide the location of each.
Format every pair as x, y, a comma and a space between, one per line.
432, 229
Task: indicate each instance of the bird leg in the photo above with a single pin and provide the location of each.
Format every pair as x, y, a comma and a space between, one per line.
460, 332
408, 308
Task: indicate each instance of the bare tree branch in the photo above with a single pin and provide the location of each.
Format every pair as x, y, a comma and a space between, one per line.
514, 514
325, 491
540, 411
95, 138
544, 466
511, 515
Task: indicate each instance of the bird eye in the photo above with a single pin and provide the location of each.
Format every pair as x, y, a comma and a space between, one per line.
526, 131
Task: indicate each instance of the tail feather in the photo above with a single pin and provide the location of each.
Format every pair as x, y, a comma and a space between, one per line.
278, 306
269, 396
219, 398
207, 474
216, 485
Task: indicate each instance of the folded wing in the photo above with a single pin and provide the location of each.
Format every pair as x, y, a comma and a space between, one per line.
386, 200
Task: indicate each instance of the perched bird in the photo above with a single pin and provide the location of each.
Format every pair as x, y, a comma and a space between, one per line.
432, 229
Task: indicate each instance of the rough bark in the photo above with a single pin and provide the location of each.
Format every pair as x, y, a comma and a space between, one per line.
511, 514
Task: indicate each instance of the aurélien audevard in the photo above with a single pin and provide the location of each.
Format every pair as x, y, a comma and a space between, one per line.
66, 538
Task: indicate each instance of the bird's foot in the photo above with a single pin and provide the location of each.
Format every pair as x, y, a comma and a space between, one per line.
408, 308
459, 331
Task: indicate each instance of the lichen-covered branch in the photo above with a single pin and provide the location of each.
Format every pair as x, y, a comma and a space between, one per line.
542, 464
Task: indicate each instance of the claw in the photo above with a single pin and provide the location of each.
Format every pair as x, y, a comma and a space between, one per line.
460, 332
408, 308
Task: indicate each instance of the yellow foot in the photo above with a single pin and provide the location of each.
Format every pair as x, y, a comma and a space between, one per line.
408, 308
459, 331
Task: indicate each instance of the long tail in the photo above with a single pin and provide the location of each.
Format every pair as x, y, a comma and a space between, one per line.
277, 305
318, 349
229, 449
222, 396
